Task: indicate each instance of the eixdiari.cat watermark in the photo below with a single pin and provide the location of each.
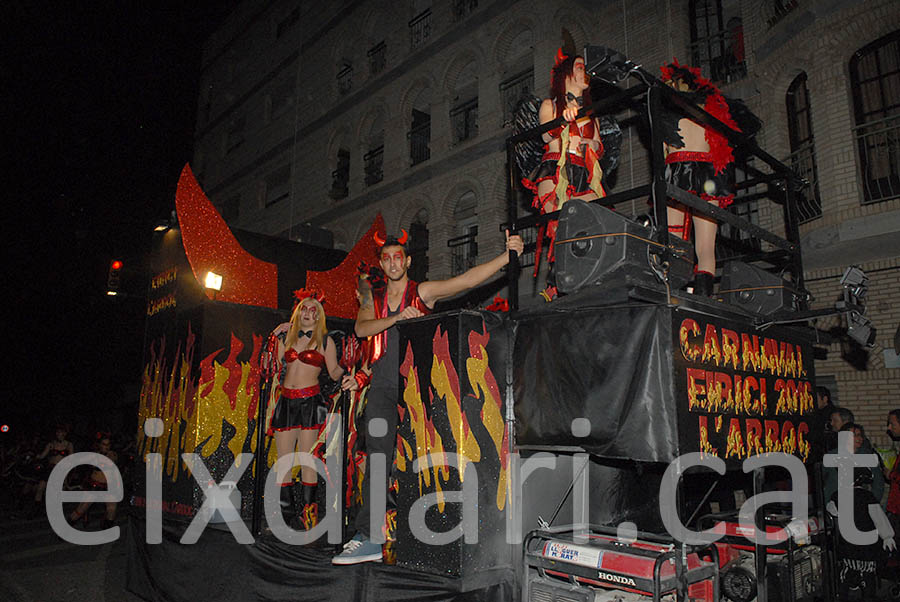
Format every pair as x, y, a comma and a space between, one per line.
217, 497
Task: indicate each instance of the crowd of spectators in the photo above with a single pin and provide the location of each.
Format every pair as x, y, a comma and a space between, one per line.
27, 457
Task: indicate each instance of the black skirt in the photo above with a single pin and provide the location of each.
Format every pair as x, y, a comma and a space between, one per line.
684, 170
300, 409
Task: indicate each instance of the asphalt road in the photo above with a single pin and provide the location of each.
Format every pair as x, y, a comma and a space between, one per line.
37, 566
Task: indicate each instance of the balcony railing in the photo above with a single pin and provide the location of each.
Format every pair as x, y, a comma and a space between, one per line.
803, 162
377, 56
463, 251
721, 55
374, 165
464, 120
879, 158
420, 29
731, 241
463, 8
419, 141
339, 183
345, 79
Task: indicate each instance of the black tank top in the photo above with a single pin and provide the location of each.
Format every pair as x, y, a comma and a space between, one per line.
386, 371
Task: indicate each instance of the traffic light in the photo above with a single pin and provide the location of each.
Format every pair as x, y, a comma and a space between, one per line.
112, 280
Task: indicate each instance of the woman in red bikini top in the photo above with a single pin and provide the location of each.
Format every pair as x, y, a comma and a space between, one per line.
54, 452
301, 409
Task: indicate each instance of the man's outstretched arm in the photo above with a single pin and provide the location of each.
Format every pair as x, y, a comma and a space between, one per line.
435, 290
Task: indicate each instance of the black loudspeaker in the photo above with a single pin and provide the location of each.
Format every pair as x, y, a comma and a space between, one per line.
756, 290
595, 245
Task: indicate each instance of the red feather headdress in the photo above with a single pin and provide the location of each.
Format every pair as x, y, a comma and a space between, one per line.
309, 293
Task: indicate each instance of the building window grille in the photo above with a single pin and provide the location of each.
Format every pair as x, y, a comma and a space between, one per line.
340, 177
731, 241
513, 90
776, 10
420, 137
374, 165
803, 150
418, 251
463, 250
463, 8
420, 29
717, 39
377, 55
464, 120
278, 185
345, 78
875, 81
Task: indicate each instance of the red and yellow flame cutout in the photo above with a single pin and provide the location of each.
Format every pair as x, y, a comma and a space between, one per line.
688, 327
485, 388
228, 391
711, 350
426, 439
694, 390
445, 389
735, 441
705, 446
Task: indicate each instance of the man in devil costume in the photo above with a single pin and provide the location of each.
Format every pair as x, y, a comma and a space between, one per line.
378, 315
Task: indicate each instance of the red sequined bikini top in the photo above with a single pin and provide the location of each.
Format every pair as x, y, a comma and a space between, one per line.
307, 356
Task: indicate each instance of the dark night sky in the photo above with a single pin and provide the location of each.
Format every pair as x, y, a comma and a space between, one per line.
101, 100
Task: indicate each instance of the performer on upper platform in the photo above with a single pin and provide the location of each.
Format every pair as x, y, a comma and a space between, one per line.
302, 407
698, 160
378, 315
570, 166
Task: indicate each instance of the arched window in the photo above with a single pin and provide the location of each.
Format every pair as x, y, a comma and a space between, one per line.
875, 81
345, 77
420, 128
418, 246
464, 246
518, 82
340, 177
464, 114
373, 160
420, 25
717, 39
803, 149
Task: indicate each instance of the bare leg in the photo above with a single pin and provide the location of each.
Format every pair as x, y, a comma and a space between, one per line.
39, 492
111, 510
675, 217
285, 442
705, 243
307, 440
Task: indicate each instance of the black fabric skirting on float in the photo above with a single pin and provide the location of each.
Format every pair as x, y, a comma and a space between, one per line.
301, 412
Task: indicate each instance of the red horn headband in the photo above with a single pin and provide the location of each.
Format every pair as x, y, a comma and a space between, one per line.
560, 57
309, 293
380, 240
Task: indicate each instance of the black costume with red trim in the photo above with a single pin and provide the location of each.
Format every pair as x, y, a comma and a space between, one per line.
304, 408
384, 392
577, 171
709, 175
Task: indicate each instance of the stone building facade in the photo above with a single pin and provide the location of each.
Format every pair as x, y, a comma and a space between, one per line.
313, 117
